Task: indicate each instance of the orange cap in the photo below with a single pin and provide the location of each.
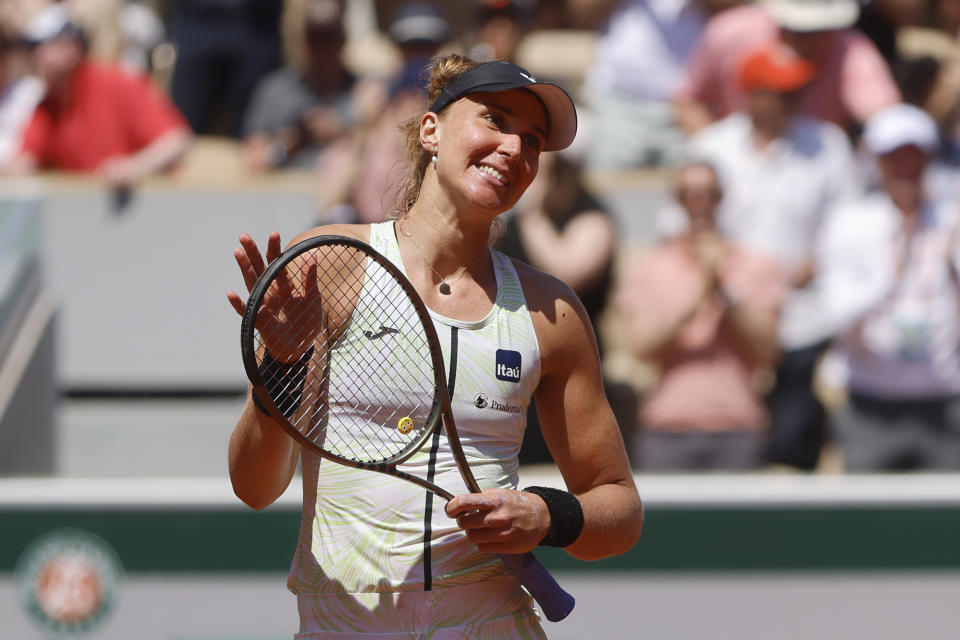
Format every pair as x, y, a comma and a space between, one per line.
775, 67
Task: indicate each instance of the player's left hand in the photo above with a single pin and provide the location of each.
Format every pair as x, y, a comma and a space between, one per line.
501, 520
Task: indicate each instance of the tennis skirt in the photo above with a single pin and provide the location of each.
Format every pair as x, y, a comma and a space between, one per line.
495, 609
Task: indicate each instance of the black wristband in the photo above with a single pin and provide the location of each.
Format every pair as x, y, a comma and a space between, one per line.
284, 382
566, 516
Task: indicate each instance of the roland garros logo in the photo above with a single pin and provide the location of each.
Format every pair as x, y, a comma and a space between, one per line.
68, 581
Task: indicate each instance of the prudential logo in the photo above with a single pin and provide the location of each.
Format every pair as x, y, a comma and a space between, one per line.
508, 365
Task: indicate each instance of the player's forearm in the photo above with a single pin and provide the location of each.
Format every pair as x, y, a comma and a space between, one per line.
262, 459
612, 521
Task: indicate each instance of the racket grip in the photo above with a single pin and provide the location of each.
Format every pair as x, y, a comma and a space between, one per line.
553, 600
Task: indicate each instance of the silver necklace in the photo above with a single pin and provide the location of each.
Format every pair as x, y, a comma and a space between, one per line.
444, 286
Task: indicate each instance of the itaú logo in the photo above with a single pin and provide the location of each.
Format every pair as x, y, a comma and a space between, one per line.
508, 365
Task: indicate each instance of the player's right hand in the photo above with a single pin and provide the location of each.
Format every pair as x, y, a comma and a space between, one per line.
290, 294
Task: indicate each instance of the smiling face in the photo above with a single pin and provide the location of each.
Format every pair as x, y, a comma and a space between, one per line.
488, 147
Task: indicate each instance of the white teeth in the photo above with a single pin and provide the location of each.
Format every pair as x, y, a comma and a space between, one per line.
496, 174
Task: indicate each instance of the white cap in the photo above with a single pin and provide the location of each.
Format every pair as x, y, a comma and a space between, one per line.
898, 126
813, 15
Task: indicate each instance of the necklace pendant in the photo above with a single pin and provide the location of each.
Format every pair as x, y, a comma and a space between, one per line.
444, 288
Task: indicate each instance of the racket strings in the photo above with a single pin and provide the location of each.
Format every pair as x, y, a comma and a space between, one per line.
368, 389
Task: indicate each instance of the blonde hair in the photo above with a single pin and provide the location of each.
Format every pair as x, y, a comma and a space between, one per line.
441, 71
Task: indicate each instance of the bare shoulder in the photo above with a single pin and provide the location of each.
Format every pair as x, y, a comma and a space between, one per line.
542, 290
558, 316
357, 231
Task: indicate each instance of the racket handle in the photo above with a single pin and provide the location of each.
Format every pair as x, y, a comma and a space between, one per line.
553, 600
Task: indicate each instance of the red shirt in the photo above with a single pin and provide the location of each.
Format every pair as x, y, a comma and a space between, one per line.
110, 112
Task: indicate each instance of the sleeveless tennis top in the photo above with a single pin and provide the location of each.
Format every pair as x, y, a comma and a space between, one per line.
362, 531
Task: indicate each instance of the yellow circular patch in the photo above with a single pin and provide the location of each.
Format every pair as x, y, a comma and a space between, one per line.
405, 425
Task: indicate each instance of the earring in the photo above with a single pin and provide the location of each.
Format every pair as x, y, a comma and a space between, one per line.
433, 158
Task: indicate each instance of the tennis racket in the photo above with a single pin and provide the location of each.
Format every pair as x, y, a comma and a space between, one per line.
359, 400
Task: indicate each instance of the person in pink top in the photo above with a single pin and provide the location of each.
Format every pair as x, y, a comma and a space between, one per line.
853, 80
704, 312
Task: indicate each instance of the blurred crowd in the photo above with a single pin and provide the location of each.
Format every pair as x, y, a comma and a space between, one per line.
799, 305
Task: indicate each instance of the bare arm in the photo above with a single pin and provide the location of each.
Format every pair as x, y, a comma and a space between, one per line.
583, 438
656, 309
654, 339
754, 329
21, 164
262, 458
580, 429
158, 156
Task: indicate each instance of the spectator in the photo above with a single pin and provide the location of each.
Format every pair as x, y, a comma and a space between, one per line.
224, 47
782, 172
95, 118
418, 30
889, 266
560, 227
358, 176
295, 113
125, 31
640, 55
704, 312
498, 27
939, 44
852, 83
19, 95
15, 14
141, 31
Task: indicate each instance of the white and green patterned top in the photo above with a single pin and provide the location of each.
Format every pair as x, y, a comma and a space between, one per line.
368, 532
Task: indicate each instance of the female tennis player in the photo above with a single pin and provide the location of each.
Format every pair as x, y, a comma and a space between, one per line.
380, 557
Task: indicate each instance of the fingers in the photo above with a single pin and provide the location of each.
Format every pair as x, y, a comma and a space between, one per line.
472, 502
483, 520
253, 253
487, 527
501, 520
481, 511
312, 283
236, 302
273, 246
247, 268
251, 261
